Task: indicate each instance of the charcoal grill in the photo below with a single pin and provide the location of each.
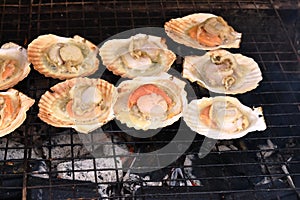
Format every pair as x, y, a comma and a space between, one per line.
261, 165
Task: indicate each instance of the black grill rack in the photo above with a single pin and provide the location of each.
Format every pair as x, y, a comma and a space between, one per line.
232, 170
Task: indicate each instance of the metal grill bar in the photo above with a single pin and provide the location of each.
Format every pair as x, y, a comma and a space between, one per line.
268, 37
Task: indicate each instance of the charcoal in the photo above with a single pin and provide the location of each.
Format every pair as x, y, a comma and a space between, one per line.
60, 189
60, 147
107, 170
14, 150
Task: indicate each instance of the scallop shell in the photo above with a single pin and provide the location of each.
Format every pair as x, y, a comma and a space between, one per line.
91, 104
132, 117
177, 29
139, 55
63, 58
192, 117
20, 104
245, 72
15, 55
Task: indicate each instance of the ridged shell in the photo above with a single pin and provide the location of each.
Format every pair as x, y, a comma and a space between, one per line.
11, 52
192, 118
21, 103
246, 72
113, 51
171, 85
177, 29
53, 105
42, 54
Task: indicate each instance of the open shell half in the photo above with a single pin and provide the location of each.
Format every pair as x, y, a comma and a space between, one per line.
13, 108
14, 66
62, 57
139, 55
81, 103
222, 72
203, 31
150, 102
223, 117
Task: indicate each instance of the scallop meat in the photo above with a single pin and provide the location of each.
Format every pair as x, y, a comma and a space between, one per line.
139, 55
222, 72
223, 117
13, 108
84, 104
203, 31
62, 57
150, 102
14, 65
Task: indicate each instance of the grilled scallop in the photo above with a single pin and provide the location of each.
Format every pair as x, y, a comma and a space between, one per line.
222, 72
63, 58
139, 55
80, 103
14, 66
13, 107
150, 102
203, 31
223, 117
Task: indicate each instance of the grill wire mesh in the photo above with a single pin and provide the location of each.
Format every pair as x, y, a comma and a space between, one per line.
234, 169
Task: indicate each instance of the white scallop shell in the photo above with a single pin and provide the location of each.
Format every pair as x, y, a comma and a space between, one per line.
177, 30
247, 72
53, 105
22, 103
39, 51
192, 118
171, 85
112, 51
13, 52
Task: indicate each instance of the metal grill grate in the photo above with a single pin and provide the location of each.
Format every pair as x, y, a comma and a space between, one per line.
232, 170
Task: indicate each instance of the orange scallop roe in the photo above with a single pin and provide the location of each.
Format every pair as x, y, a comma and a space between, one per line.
145, 90
72, 114
69, 109
8, 70
9, 109
204, 117
205, 38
